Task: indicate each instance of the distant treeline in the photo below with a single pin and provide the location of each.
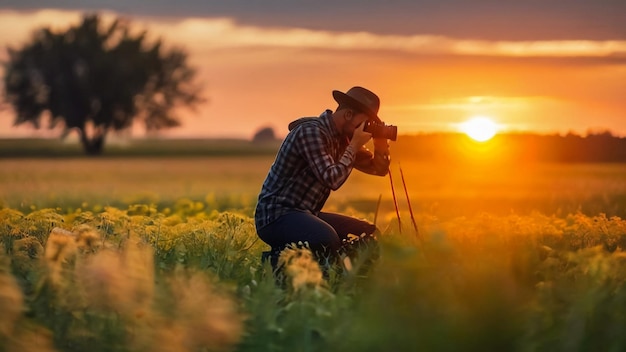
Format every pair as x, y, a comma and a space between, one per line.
141, 147
602, 147
444, 147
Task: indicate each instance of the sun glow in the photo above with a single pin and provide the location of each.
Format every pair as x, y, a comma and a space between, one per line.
479, 128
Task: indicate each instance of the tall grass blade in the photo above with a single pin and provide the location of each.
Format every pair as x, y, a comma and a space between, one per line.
408, 201
395, 202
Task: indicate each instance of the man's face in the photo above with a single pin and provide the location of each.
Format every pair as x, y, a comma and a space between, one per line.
353, 123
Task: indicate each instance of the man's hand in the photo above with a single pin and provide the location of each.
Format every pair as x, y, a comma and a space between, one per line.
381, 144
360, 137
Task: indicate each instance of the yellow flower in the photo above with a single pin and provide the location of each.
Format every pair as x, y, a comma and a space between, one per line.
87, 239
301, 268
61, 246
26, 254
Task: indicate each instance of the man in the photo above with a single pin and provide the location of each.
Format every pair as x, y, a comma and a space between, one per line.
316, 157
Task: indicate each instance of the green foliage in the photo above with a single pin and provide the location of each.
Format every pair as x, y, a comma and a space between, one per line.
140, 277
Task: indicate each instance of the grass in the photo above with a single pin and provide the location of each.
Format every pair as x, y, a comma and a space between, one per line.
191, 280
161, 254
121, 147
437, 189
74, 182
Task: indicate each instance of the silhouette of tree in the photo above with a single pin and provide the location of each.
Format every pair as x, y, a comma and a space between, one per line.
265, 134
95, 78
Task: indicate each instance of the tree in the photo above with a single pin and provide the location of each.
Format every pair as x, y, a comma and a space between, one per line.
95, 78
265, 134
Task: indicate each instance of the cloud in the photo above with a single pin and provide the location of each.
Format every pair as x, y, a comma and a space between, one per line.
205, 34
226, 33
486, 19
565, 48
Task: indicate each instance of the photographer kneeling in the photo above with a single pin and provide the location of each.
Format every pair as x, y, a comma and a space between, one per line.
316, 157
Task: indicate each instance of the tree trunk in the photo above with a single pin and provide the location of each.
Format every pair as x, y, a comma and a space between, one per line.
92, 146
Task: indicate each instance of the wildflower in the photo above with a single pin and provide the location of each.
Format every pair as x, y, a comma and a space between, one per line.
352, 238
61, 246
102, 279
87, 239
10, 303
173, 220
10, 216
26, 254
301, 268
138, 263
28, 246
208, 319
119, 281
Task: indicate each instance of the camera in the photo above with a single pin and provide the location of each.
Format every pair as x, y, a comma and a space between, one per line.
380, 130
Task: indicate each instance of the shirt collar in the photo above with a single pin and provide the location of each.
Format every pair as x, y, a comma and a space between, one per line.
327, 118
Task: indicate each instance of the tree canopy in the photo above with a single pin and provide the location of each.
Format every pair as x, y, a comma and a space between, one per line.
264, 135
95, 78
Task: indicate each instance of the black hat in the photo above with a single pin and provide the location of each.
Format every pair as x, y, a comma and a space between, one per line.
361, 99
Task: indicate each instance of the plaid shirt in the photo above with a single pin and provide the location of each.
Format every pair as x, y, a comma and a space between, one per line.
313, 159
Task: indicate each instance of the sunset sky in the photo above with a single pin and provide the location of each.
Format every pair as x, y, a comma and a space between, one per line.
538, 66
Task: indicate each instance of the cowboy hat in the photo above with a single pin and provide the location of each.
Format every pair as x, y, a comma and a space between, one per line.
360, 99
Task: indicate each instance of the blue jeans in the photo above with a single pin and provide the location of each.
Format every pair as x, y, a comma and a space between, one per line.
326, 234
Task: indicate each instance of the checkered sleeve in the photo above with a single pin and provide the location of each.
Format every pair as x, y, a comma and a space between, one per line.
317, 148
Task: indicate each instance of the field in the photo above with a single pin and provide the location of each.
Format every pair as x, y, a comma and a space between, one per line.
159, 253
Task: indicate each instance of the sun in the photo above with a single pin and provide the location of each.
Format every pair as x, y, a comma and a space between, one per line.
479, 128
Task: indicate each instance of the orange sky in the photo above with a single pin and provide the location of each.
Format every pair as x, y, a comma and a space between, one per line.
262, 76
